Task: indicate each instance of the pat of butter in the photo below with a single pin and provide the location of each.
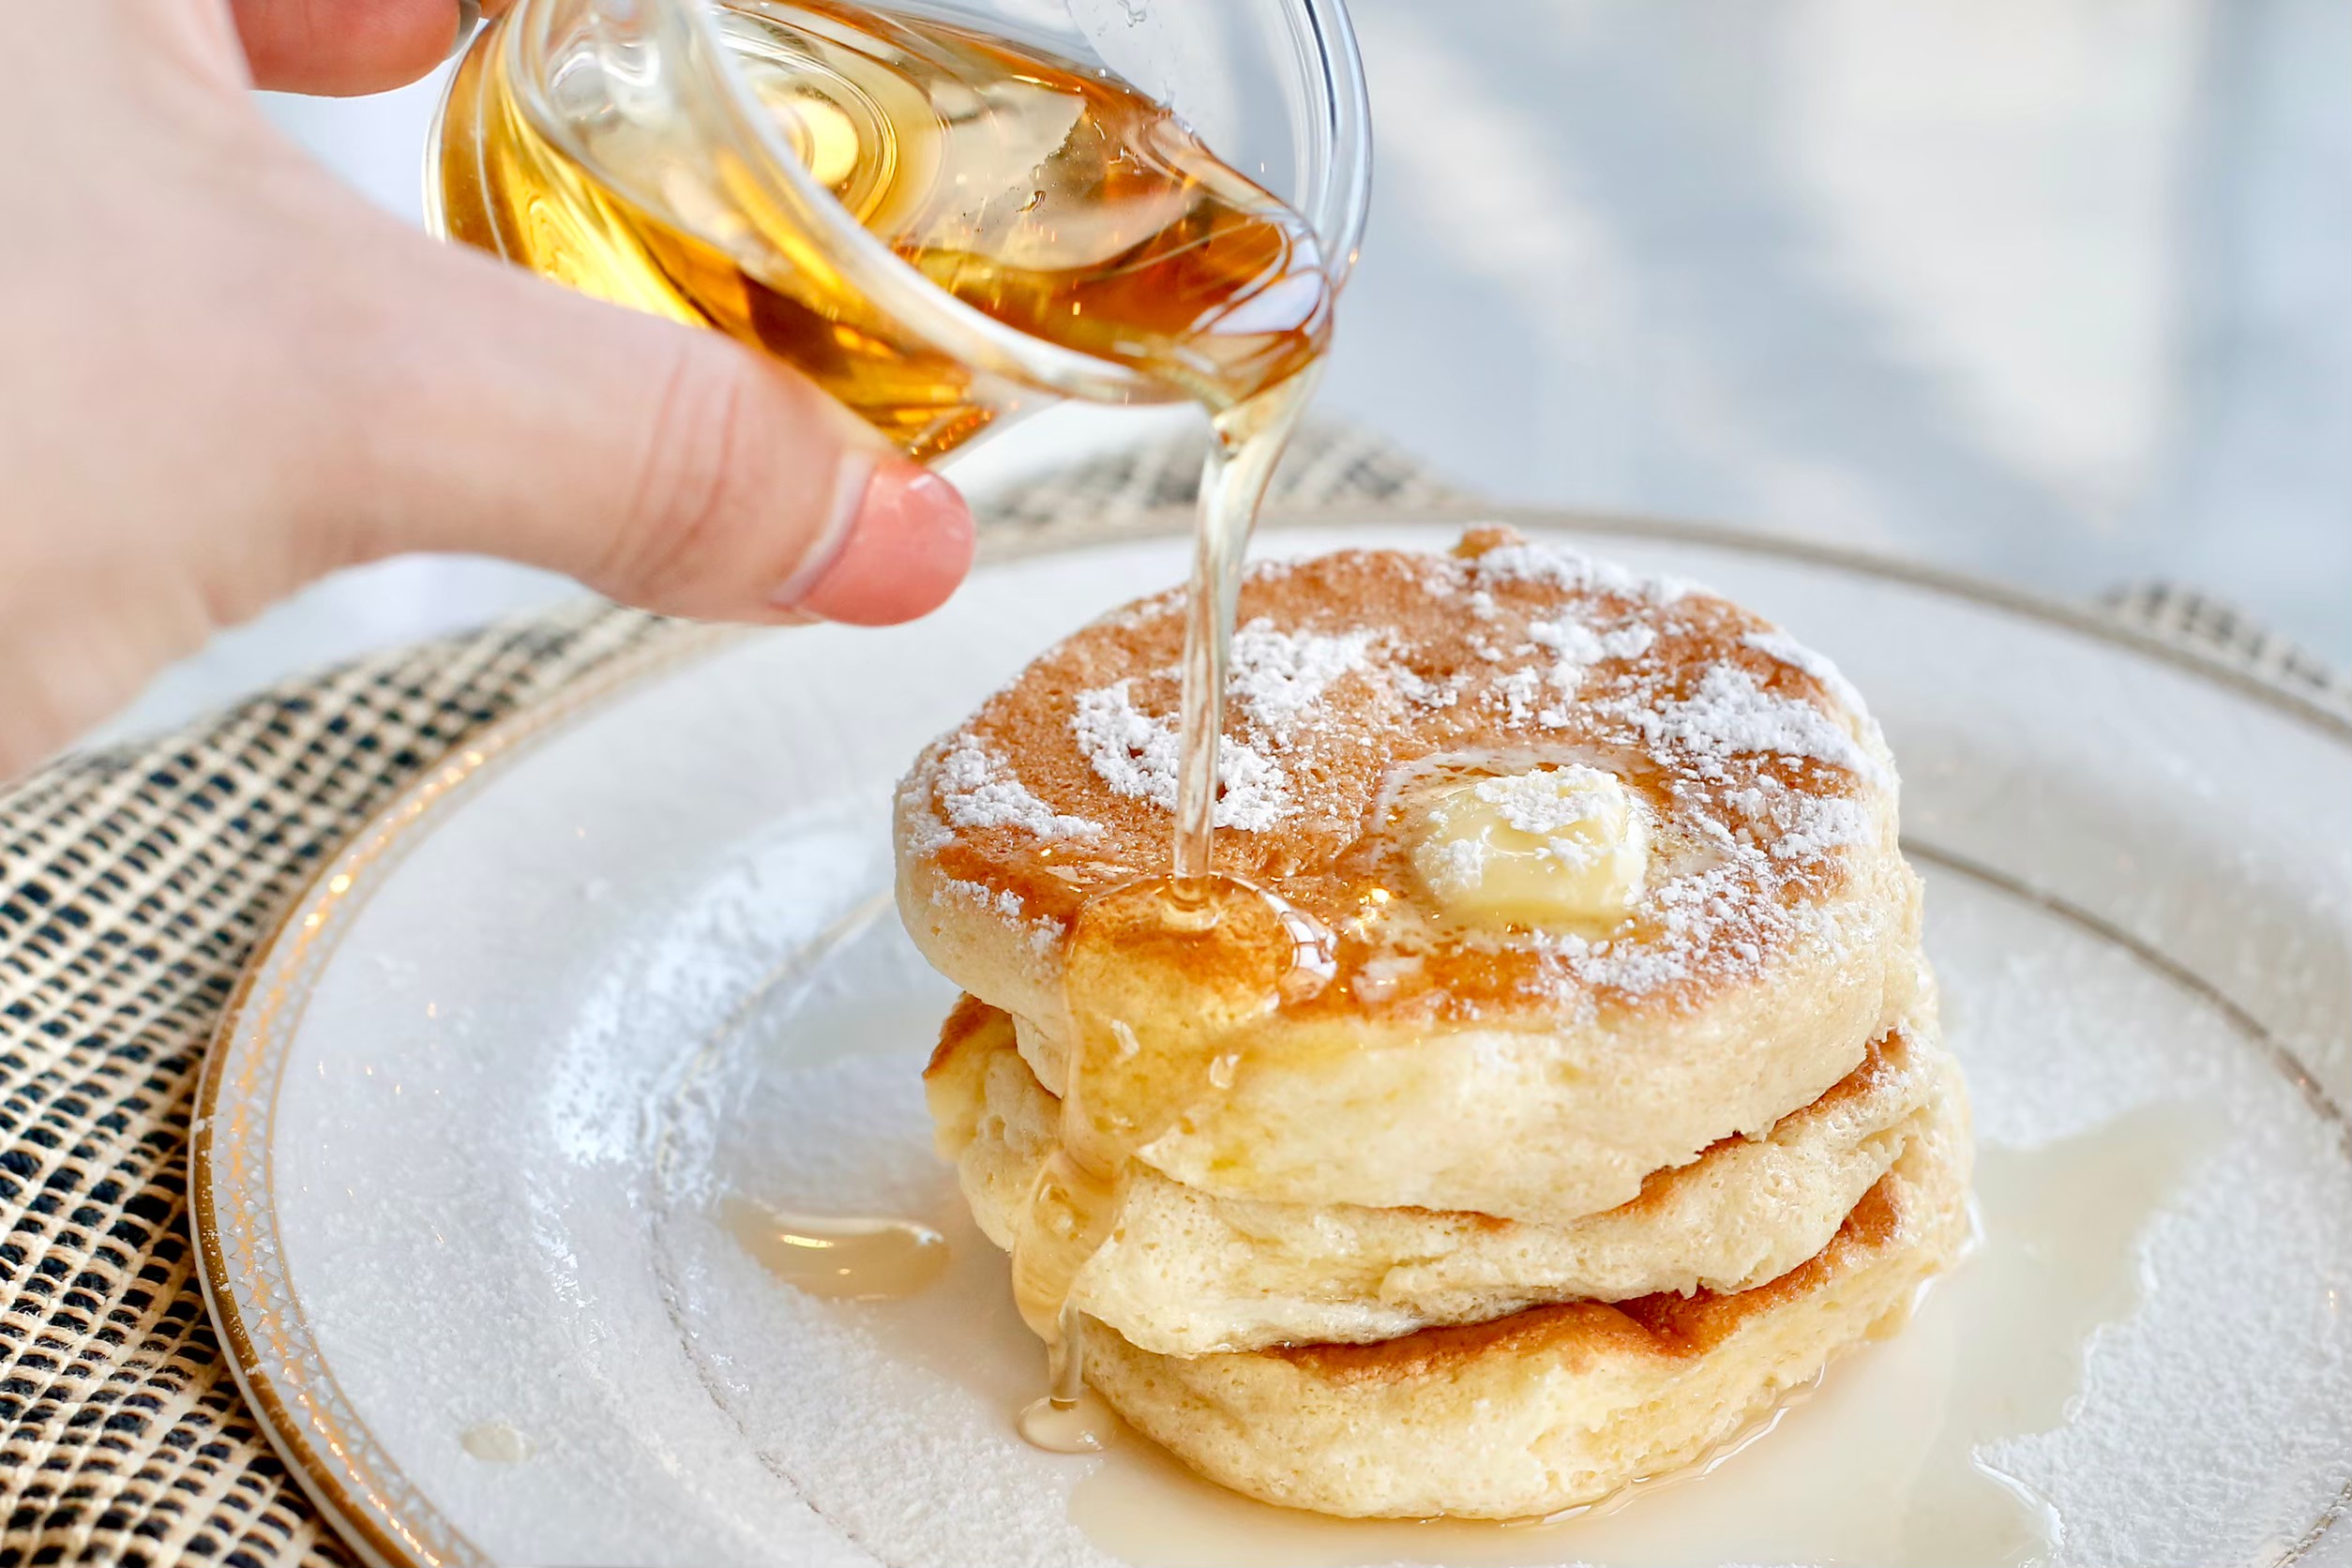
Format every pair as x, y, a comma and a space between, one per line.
1554, 847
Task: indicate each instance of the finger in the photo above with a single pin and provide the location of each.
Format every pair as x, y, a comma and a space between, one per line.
343, 48
664, 465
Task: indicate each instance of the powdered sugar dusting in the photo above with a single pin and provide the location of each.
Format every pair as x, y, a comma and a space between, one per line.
977, 788
1778, 644
1762, 793
1628, 641
1730, 713
1557, 566
1570, 642
1278, 683
1043, 933
1720, 909
1279, 677
1547, 803
1521, 693
1794, 826
1452, 866
1574, 647
1425, 693
1138, 754
919, 827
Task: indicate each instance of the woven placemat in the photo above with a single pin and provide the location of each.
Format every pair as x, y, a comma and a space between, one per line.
133, 885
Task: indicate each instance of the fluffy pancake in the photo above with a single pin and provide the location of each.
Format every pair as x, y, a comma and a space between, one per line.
1529, 1075
1186, 1272
1555, 1406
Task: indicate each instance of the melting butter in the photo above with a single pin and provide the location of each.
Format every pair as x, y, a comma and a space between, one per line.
1556, 848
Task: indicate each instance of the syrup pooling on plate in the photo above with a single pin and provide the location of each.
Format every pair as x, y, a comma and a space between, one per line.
1892, 1460
846, 1257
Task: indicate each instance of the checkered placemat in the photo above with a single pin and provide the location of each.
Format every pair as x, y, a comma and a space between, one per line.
134, 883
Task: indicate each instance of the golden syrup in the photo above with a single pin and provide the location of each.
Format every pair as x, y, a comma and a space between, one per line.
494, 1443
1888, 1462
1164, 978
1045, 194
1075, 1421
1249, 439
1066, 206
1070, 1212
839, 1257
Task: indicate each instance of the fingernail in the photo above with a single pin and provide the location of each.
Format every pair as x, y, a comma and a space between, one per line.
898, 551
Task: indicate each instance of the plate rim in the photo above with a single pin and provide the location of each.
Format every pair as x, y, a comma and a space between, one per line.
379, 1534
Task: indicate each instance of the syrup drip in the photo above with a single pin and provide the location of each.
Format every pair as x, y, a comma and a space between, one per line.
842, 1259
1163, 976
1164, 979
1081, 1424
1893, 1461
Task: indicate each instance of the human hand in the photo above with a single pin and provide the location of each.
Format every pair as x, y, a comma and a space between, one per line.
225, 374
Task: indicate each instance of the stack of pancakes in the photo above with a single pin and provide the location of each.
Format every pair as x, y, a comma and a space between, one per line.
1514, 1210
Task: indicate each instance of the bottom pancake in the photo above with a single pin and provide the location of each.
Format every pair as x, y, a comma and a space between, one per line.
1555, 1406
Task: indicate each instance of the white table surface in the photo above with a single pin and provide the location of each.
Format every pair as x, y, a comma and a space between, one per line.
2053, 291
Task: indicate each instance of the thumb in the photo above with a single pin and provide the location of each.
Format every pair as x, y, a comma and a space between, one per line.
335, 47
663, 466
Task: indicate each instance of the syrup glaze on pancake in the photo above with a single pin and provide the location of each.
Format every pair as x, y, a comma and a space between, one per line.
1758, 766
1555, 1406
1187, 1273
1667, 1325
970, 1018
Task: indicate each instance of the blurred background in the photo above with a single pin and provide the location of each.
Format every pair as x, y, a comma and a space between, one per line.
2058, 292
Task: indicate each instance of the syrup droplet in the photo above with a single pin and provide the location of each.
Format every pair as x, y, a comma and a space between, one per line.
1071, 1418
495, 1442
1083, 1426
841, 1257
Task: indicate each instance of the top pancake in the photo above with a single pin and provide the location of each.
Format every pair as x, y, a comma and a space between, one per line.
1774, 937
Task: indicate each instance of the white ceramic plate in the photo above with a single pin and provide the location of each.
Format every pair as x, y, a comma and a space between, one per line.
462, 1141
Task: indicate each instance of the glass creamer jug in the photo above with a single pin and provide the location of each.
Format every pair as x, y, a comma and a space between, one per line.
942, 213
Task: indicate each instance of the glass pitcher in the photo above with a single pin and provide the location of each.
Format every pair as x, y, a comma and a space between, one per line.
632, 149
